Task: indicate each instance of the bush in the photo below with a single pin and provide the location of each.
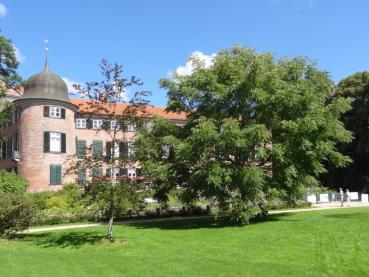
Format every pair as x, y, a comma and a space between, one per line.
12, 183
16, 213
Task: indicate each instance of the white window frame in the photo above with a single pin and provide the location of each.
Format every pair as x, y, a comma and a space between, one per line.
131, 172
81, 123
96, 124
114, 125
55, 142
131, 127
55, 112
130, 149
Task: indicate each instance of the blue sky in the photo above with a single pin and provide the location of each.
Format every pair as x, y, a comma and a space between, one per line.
152, 38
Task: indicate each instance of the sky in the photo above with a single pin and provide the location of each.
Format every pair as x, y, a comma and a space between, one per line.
151, 39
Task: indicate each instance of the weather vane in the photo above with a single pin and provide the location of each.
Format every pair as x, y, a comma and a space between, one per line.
46, 41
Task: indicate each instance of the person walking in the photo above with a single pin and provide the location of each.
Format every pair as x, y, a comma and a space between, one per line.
348, 197
341, 197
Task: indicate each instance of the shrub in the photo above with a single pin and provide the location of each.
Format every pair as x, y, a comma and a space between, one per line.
16, 213
12, 183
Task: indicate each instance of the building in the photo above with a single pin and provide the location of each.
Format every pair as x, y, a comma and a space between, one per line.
47, 128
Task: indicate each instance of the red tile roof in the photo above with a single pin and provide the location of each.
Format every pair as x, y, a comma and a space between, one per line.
150, 110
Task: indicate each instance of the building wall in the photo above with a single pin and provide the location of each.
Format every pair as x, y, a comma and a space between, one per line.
34, 164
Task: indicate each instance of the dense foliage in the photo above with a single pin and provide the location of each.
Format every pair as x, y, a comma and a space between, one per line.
356, 175
16, 213
8, 76
12, 183
254, 124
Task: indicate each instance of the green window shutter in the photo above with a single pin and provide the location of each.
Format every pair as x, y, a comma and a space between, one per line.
63, 143
46, 111
97, 148
46, 142
123, 149
108, 172
81, 149
89, 123
55, 174
81, 178
108, 150
62, 111
97, 172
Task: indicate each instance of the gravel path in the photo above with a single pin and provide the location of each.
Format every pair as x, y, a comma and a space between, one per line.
315, 207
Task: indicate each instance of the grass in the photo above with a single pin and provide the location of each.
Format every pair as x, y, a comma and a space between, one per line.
318, 243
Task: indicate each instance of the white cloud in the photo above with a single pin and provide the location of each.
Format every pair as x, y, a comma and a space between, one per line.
70, 84
20, 57
188, 68
3, 10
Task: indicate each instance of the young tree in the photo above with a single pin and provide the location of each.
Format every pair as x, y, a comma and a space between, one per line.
104, 98
254, 123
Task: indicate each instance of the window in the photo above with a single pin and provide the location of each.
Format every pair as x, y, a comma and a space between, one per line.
131, 127
55, 174
81, 123
131, 172
97, 149
81, 149
114, 125
54, 142
55, 112
96, 123
110, 151
148, 125
97, 172
81, 175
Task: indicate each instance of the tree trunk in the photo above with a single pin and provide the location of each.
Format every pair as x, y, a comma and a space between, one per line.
111, 219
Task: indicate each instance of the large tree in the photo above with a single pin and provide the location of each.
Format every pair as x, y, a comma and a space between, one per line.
105, 99
9, 77
356, 175
254, 124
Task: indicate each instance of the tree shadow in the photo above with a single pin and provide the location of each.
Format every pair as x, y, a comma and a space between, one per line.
345, 216
70, 239
201, 223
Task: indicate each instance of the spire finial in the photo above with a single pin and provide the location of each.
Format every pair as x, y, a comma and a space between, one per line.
46, 41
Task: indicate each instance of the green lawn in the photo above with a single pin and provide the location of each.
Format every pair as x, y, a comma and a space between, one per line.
319, 243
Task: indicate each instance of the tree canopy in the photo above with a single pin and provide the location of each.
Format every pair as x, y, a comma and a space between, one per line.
8, 62
254, 124
356, 175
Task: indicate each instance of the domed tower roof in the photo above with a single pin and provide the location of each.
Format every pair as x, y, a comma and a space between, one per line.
46, 85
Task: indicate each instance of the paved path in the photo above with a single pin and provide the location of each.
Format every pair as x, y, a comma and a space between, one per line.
322, 206
315, 207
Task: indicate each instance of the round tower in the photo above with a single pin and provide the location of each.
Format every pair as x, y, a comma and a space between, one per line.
46, 136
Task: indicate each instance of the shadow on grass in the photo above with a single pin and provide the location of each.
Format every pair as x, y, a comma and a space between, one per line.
71, 239
201, 223
346, 216
81, 237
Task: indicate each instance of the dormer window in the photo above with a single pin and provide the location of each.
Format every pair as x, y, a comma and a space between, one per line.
54, 112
